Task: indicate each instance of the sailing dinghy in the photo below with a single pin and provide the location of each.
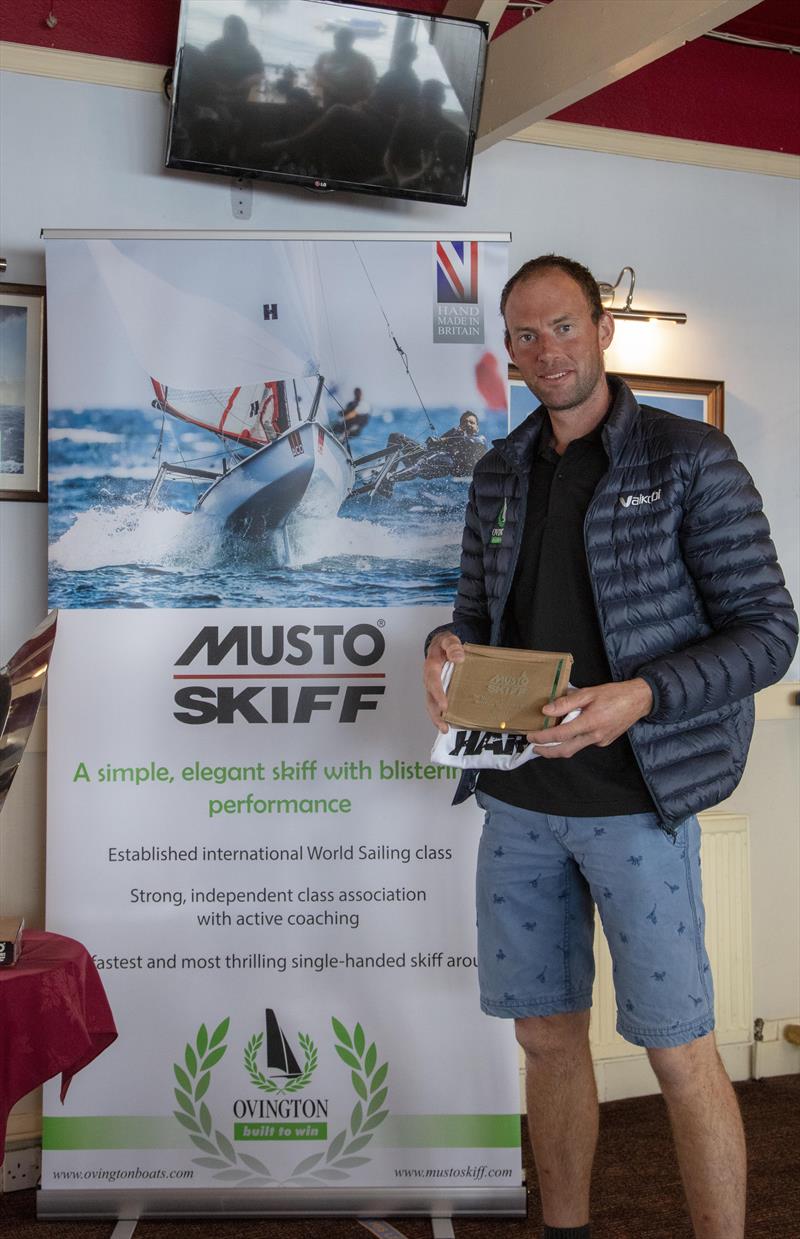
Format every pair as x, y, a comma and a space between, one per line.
279, 463
207, 364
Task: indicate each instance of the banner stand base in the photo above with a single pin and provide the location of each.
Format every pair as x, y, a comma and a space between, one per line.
126, 1207
442, 1229
123, 1230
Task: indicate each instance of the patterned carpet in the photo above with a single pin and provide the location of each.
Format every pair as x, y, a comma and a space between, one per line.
636, 1190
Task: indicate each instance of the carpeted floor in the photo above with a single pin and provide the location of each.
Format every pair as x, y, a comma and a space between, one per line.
636, 1190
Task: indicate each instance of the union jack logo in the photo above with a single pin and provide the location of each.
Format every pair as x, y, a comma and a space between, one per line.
457, 272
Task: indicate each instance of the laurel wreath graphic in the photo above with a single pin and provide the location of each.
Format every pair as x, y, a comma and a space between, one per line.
341, 1155
272, 1086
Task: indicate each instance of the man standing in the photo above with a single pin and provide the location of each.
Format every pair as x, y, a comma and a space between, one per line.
635, 540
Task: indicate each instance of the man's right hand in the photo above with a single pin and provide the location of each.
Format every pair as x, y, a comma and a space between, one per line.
445, 647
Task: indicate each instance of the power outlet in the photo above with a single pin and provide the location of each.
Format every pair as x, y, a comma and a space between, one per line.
22, 1169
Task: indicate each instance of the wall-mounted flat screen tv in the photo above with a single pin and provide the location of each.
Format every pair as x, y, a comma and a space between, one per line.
329, 95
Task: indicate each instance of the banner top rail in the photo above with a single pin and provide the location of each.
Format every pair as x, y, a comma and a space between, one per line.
231, 234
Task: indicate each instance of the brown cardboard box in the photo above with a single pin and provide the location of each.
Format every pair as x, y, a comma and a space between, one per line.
10, 940
496, 689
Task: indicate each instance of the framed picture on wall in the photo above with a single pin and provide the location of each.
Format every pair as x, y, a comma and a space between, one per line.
23, 430
703, 400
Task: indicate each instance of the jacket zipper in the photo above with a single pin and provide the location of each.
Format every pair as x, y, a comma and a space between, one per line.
523, 508
472, 775
514, 554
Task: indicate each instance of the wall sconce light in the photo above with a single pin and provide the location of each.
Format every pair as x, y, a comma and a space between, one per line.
632, 313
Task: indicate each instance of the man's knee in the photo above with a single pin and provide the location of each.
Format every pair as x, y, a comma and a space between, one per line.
548, 1035
682, 1067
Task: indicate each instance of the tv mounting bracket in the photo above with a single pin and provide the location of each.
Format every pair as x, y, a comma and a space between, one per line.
241, 197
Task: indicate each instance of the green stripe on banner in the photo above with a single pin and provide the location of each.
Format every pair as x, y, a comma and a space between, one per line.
400, 1131
114, 1131
450, 1131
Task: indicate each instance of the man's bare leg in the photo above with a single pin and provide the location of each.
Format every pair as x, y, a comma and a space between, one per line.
562, 1112
709, 1137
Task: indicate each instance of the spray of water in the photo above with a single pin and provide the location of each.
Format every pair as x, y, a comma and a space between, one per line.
343, 537
130, 534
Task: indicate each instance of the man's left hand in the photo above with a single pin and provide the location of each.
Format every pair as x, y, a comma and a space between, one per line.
607, 710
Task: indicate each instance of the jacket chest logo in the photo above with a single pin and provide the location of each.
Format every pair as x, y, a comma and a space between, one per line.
499, 525
638, 499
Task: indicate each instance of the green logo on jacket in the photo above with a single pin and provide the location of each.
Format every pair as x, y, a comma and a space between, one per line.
500, 524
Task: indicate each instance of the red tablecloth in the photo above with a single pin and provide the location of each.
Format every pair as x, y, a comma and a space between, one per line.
54, 1016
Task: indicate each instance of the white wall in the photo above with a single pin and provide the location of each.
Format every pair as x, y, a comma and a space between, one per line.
723, 246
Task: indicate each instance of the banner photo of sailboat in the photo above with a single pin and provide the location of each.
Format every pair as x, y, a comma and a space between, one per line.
260, 453
238, 422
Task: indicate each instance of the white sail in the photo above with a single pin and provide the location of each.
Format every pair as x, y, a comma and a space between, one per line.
188, 340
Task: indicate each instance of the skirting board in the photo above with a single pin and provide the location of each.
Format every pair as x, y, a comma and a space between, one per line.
25, 1120
621, 1078
632, 1076
775, 1056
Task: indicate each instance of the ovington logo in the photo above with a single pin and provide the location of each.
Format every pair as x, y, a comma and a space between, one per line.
281, 1118
284, 1074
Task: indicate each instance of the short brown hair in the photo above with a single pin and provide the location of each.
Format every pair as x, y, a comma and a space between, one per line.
548, 262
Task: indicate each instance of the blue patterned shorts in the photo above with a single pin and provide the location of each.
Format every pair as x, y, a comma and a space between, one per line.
539, 878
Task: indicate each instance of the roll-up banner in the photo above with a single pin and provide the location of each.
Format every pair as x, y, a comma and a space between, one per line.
260, 450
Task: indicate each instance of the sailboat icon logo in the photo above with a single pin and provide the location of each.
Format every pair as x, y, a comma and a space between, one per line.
281, 1062
284, 1073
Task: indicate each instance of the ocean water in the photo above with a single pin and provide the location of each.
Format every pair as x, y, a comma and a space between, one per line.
107, 549
12, 438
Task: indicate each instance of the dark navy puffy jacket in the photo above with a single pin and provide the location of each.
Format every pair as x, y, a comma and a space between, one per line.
688, 589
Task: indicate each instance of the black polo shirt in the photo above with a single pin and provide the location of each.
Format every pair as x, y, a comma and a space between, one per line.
551, 607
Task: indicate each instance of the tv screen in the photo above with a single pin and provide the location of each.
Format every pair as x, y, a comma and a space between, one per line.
329, 95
